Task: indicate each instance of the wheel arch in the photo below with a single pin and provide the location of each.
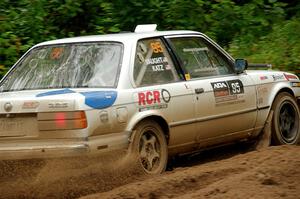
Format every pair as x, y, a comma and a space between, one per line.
280, 89
264, 109
159, 119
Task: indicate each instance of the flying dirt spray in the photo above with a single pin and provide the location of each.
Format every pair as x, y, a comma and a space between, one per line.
67, 177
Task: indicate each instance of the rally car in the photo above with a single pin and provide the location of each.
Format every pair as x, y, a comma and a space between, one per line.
155, 93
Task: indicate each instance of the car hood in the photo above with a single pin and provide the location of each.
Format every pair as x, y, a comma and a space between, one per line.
56, 100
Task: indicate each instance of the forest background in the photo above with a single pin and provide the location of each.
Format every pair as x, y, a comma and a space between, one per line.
262, 31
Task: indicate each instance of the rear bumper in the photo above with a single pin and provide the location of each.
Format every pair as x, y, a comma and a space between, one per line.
53, 148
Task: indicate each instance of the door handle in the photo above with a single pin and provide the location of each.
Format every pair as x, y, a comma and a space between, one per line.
199, 90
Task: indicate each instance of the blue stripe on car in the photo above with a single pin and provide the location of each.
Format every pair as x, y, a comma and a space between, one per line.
100, 99
57, 92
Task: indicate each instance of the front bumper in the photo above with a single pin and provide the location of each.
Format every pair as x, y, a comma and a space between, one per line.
54, 148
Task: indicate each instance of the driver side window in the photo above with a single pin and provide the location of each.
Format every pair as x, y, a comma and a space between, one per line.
199, 58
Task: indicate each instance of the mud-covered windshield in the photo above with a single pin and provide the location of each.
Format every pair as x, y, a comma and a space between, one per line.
67, 66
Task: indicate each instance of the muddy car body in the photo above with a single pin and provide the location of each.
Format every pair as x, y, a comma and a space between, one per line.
156, 93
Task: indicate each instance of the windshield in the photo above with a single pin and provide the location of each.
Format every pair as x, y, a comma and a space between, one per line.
66, 66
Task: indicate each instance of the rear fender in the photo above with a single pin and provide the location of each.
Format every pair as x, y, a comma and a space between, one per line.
140, 116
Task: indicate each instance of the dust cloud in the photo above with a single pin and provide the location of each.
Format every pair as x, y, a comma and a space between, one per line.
67, 177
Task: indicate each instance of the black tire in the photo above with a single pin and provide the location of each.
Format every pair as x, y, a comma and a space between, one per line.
285, 122
149, 147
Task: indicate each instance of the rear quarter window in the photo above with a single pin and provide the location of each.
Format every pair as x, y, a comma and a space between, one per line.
153, 64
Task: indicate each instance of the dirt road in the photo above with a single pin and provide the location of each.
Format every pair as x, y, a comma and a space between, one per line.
223, 173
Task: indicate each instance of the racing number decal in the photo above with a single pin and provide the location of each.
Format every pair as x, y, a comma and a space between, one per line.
226, 88
235, 87
156, 47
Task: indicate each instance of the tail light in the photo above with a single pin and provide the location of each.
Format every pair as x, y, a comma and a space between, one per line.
51, 121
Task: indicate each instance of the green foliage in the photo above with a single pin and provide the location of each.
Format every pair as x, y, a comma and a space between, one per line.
261, 30
280, 47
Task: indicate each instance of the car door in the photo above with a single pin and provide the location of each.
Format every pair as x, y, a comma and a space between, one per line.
160, 90
225, 101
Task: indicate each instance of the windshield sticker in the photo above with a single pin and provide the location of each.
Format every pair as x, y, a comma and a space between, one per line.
195, 49
157, 99
225, 91
157, 64
156, 47
156, 60
158, 68
56, 53
187, 76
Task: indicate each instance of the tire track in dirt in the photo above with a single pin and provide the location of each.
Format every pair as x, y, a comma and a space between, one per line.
270, 173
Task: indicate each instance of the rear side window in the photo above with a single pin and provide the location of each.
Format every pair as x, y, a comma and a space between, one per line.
199, 58
153, 64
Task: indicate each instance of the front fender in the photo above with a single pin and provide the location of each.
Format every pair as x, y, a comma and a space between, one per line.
266, 94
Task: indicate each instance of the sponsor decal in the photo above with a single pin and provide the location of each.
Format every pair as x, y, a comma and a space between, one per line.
262, 93
263, 77
56, 92
156, 99
100, 99
231, 103
30, 105
94, 99
220, 88
277, 77
57, 105
225, 91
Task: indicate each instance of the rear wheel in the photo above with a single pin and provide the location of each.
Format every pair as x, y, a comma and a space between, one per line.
285, 122
149, 147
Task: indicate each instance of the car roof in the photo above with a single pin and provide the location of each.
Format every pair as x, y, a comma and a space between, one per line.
117, 37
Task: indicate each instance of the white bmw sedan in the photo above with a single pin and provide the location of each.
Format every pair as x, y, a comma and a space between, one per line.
155, 93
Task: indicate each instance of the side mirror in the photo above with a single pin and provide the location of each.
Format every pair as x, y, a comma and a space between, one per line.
240, 65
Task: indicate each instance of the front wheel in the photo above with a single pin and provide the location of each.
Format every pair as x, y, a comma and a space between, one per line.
149, 147
285, 122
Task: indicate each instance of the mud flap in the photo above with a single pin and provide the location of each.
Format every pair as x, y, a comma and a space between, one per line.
264, 139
